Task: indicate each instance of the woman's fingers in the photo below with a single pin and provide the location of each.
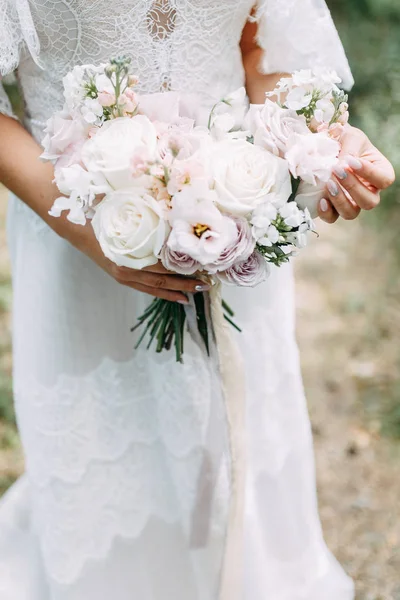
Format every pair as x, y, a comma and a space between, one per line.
163, 280
169, 282
326, 212
159, 293
361, 195
379, 173
344, 206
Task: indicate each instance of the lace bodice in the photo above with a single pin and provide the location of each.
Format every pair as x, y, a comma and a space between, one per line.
187, 45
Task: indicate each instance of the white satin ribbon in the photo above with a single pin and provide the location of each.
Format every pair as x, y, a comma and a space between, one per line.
232, 372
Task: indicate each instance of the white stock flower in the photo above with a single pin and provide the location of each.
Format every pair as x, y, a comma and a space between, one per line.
245, 174
91, 111
130, 228
291, 214
74, 84
312, 157
228, 114
113, 148
298, 98
263, 231
272, 126
324, 110
199, 230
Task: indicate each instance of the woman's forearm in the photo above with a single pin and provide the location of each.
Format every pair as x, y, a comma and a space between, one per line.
27, 177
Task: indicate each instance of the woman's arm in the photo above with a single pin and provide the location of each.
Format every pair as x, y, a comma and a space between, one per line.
363, 170
31, 180
256, 83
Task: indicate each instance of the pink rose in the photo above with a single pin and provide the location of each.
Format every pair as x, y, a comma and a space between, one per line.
62, 131
239, 250
272, 126
178, 262
247, 273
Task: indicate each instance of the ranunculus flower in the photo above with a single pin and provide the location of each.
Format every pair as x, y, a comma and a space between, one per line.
245, 174
198, 227
239, 249
112, 149
309, 196
312, 157
130, 228
248, 273
272, 126
179, 262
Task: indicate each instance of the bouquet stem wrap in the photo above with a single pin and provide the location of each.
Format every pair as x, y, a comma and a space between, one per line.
232, 372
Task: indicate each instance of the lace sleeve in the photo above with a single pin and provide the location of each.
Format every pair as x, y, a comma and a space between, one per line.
300, 34
17, 32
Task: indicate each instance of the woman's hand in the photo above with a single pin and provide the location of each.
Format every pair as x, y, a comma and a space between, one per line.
358, 179
154, 280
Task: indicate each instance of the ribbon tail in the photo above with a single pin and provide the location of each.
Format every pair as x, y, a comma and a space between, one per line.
232, 373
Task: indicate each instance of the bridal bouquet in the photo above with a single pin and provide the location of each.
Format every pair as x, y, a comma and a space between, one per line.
221, 197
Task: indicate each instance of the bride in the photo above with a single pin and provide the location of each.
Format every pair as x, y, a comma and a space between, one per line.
127, 483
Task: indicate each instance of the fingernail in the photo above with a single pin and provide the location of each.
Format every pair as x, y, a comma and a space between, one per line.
340, 172
333, 188
202, 288
183, 301
324, 205
354, 163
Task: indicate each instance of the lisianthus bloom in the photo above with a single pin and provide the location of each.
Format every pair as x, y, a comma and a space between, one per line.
199, 229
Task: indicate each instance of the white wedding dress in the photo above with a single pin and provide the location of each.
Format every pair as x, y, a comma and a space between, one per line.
127, 482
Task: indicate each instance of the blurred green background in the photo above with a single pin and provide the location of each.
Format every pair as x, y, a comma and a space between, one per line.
348, 301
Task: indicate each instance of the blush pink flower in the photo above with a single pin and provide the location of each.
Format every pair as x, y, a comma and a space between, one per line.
248, 273
106, 99
335, 131
129, 101
178, 262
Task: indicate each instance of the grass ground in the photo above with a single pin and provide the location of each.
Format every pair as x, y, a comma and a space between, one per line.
348, 328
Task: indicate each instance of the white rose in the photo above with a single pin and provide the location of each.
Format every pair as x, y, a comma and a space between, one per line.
130, 228
312, 157
309, 196
112, 149
199, 230
272, 126
245, 174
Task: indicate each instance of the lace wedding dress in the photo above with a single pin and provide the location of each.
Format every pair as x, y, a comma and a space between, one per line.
127, 482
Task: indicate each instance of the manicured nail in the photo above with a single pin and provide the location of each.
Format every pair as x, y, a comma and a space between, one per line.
333, 188
202, 288
354, 163
324, 205
340, 172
